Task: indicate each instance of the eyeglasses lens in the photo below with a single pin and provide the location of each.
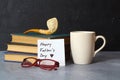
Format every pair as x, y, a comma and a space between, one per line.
48, 65
47, 62
28, 62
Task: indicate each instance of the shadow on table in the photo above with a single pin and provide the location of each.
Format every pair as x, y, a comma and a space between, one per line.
106, 56
100, 57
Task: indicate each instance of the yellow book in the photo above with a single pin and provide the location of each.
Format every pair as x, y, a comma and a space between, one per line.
17, 57
22, 48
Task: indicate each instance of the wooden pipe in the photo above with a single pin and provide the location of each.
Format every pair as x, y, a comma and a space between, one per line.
52, 25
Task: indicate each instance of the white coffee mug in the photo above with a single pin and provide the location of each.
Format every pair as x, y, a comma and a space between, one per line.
83, 46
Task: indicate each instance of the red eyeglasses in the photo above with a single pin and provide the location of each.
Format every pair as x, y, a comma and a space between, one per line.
46, 64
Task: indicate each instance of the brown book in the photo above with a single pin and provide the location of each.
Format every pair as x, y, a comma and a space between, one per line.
32, 38
17, 57
16, 47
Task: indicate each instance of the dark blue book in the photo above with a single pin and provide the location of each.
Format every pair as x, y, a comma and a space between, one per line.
31, 38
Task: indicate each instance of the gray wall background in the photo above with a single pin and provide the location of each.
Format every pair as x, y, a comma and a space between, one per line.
101, 16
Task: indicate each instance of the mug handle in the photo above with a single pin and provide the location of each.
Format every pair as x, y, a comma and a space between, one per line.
104, 42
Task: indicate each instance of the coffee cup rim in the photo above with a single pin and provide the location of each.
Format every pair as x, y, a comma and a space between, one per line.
82, 32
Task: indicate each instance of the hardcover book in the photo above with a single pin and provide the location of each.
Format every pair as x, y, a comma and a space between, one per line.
17, 47
17, 56
31, 38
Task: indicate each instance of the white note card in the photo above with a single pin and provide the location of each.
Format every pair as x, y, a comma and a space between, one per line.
52, 49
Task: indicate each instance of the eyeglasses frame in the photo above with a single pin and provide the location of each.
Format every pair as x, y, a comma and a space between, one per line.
37, 64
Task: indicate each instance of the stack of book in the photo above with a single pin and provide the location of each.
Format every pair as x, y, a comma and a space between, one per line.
25, 45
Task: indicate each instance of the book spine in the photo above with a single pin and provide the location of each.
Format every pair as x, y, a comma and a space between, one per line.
22, 48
